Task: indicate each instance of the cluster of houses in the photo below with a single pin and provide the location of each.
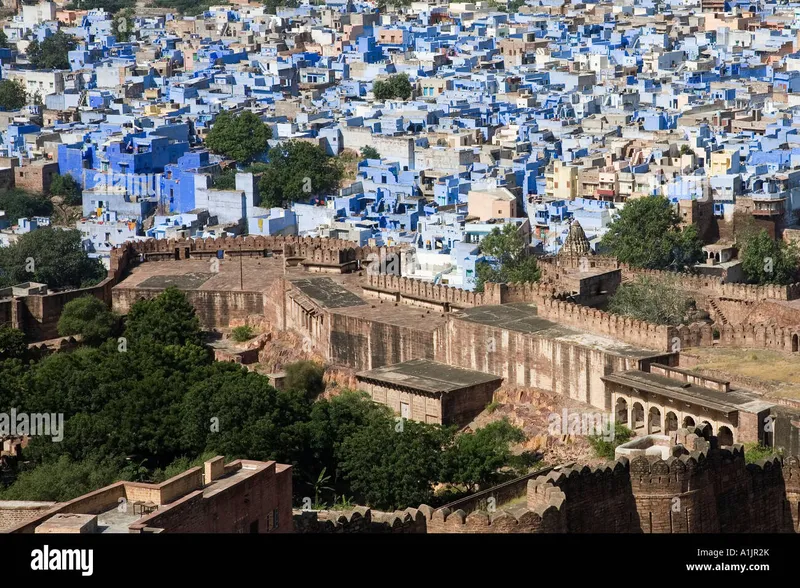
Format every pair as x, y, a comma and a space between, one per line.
539, 114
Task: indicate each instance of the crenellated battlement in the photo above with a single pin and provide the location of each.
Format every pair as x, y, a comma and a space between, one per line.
759, 335
708, 285
546, 517
619, 327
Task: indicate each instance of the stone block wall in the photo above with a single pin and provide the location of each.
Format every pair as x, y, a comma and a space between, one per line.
762, 336
16, 512
527, 359
365, 344
635, 332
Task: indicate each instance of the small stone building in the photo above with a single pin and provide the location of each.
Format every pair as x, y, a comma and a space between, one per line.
430, 392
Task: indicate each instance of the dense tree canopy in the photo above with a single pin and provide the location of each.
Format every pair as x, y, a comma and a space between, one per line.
189, 7
19, 204
768, 261
168, 319
271, 6
396, 87
89, 317
647, 233
12, 95
477, 459
123, 25
67, 187
509, 261
53, 52
110, 6
242, 137
297, 171
394, 464
12, 343
369, 152
659, 301
49, 256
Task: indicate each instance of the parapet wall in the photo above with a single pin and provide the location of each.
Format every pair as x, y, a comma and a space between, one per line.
632, 331
763, 336
411, 290
547, 517
707, 285
363, 520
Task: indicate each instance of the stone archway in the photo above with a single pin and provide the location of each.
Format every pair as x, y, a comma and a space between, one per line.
795, 343
670, 423
621, 411
637, 417
725, 436
688, 422
654, 421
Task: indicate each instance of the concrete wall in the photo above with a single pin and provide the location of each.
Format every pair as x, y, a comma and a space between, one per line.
399, 149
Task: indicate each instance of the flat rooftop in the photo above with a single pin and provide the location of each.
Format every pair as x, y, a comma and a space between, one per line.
524, 318
327, 293
726, 402
428, 376
252, 275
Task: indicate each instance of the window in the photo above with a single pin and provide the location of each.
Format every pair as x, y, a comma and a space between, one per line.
275, 519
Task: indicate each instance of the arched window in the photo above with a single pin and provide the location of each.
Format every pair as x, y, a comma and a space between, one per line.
622, 411
671, 423
654, 424
638, 417
725, 437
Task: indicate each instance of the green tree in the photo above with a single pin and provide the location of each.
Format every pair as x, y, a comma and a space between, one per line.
189, 7
3, 40
768, 261
12, 95
89, 317
226, 180
647, 233
393, 465
331, 422
654, 300
63, 479
604, 447
123, 25
50, 256
297, 171
369, 152
167, 319
241, 137
68, 188
237, 413
53, 52
242, 333
12, 343
396, 87
271, 6
305, 377
19, 204
511, 262
110, 6
474, 460
753, 452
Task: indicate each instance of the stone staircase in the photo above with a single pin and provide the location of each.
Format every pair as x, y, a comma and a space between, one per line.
718, 316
